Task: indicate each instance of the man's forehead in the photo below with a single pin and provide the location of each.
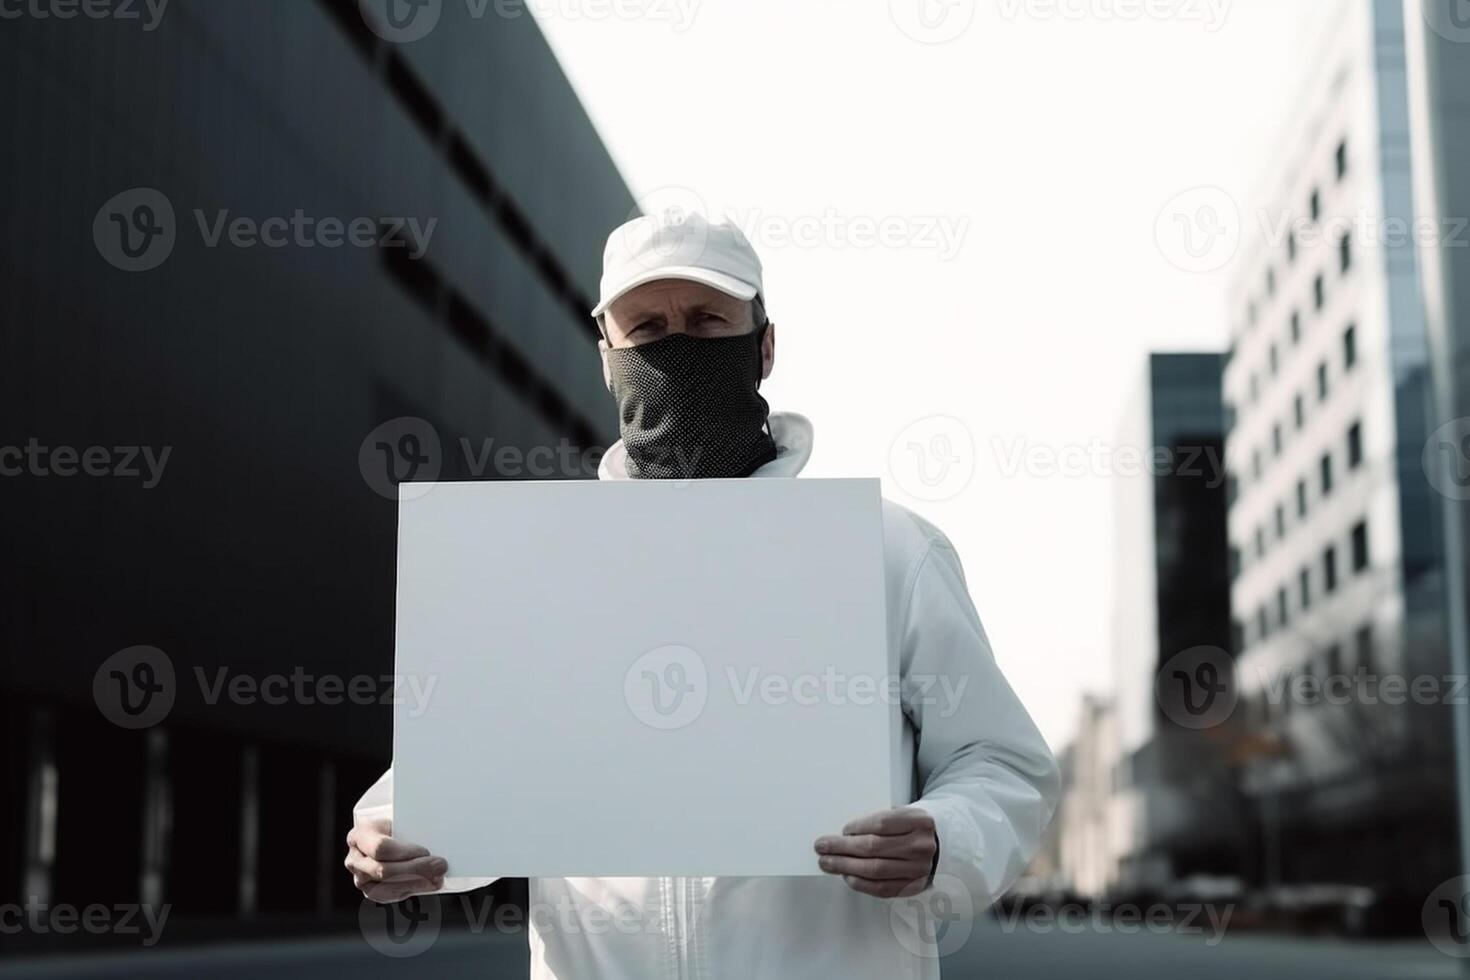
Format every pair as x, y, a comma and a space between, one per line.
682, 292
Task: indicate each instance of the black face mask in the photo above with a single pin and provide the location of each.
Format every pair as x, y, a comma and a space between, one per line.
691, 408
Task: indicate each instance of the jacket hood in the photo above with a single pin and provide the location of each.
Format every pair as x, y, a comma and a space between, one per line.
792, 433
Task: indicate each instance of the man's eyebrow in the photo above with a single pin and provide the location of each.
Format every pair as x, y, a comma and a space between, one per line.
643, 316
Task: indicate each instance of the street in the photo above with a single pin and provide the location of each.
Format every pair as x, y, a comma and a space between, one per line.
990, 952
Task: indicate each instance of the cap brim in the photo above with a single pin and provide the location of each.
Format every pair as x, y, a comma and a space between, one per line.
726, 284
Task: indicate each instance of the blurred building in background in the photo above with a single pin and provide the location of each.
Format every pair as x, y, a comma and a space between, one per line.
1336, 541
1086, 822
266, 548
1172, 600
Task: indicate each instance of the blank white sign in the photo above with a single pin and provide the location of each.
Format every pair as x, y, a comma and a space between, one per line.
641, 678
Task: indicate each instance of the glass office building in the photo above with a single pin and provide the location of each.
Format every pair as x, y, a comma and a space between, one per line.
259, 261
1335, 532
1172, 806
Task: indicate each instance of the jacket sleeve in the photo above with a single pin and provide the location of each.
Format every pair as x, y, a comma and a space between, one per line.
986, 775
377, 803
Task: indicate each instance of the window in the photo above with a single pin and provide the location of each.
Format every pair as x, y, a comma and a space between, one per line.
1275, 359
1299, 411
1280, 522
1329, 569
1255, 389
1255, 464
1319, 292
1326, 471
1345, 253
1263, 625
1296, 326
1355, 446
1315, 205
1342, 160
1304, 582
1350, 347
1260, 542
1276, 439
1364, 641
1301, 498
1322, 385
1360, 547
1291, 246
1282, 610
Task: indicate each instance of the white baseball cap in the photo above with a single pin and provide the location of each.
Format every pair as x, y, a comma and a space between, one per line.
678, 244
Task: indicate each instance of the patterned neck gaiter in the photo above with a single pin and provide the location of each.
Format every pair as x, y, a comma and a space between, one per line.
690, 408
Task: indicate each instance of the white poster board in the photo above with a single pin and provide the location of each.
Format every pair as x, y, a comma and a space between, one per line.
640, 678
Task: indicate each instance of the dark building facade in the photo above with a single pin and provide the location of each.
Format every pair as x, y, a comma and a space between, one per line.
257, 262
1173, 630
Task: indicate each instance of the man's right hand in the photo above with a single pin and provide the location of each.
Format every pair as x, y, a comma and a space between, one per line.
389, 870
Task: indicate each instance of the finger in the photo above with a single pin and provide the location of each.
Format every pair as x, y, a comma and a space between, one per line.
883, 889
381, 846
385, 893
918, 845
388, 871
902, 820
873, 869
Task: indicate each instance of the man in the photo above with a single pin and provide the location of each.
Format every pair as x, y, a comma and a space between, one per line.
686, 344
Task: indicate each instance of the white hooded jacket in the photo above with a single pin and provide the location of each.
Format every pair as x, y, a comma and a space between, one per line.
979, 765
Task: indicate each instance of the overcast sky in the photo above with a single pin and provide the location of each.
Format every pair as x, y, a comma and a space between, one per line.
958, 206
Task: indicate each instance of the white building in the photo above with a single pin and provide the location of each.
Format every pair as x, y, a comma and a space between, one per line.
1335, 540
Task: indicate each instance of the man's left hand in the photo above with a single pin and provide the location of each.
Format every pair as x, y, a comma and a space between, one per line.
889, 854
